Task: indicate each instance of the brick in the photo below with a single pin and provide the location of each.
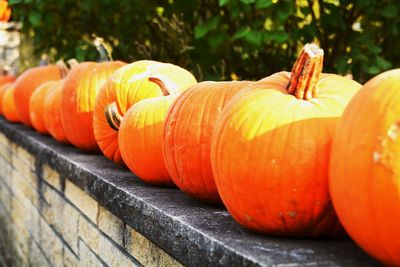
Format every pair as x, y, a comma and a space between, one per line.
87, 257
70, 227
5, 153
112, 255
111, 225
82, 201
5, 196
36, 256
4, 140
89, 233
51, 245
53, 206
24, 155
22, 186
5, 170
70, 259
25, 170
145, 251
52, 177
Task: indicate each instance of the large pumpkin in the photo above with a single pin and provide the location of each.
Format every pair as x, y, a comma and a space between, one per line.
271, 146
365, 168
9, 109
187, 136
140, 139
27, 83
36, 106
126, 87
3, 89
52, 113
78, 98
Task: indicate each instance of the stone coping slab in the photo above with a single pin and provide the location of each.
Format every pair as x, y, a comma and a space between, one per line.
194, 233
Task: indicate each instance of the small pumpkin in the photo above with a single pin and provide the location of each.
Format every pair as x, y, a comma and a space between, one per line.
78, 97
187, 136
27, 83
36, 106
126, 87
271, 145
365, 168
3, 89
52, 112
9, 107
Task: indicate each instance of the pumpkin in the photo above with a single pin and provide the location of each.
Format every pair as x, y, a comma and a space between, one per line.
9, 108
7, 79
3, 89
140, 139
187, 137
271, 145
36, 106
127, 86
52, 112
27, 83
78, 96
365, 168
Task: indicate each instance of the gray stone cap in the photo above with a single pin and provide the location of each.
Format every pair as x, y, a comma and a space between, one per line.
194, 233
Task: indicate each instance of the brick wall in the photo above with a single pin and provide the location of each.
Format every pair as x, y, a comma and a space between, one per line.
45, 220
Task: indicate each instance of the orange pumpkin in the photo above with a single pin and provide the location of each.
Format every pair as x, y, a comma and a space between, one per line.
9, 109
187, 136
271, 146
36, 106
27, 83
78, 98
365, 168
3, 89
140, 139
7, 79
52, 112
127, 86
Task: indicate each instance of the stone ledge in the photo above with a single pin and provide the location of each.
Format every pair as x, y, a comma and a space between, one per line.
193, 233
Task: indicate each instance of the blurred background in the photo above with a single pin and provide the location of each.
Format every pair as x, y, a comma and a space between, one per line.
215, 39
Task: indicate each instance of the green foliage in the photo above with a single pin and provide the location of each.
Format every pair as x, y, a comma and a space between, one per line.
220, 39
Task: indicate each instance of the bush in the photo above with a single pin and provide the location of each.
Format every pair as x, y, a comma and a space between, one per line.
219, 40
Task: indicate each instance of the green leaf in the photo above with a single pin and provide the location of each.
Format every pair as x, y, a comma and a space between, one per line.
373, 70
254, 37
203, 29
223, 2
264, 3
389, 11
383, 64
34, 18
247, 1
240, 33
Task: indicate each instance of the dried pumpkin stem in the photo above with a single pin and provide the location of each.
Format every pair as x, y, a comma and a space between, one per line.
113, 116
63, 68
306, 72
167, 86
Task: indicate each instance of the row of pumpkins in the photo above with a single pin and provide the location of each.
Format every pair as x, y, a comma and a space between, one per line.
284, 154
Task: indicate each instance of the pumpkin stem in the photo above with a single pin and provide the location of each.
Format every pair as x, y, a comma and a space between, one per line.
306, 72
113, 116
103, 48
73, 63
63, 68
167, 86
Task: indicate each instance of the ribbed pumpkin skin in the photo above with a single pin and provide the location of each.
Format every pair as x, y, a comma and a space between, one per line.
187, 136
140, 139
79, 94
365, 168
52, 113
270, 154
36, 106
128, 86
3, 89
27, 83
9, 109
